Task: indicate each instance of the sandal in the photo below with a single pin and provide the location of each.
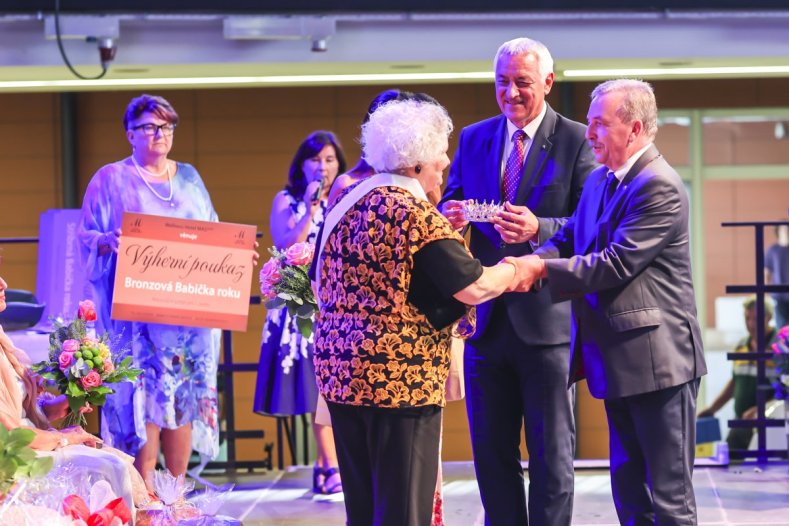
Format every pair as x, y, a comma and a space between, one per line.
318, 480
332, 483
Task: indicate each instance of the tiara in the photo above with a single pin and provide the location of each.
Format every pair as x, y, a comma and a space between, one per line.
482, 212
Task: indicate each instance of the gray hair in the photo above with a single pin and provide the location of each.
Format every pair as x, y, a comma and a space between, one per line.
525, 46
403, 133
638, 104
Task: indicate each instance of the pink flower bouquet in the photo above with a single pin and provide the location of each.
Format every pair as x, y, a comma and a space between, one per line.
284, 283
81, 365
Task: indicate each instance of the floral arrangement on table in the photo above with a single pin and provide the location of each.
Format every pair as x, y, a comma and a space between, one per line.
284, 282
82, 365
781, 350
171, 506
103, 509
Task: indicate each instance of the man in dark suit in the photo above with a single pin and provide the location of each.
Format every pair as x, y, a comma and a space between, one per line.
624, 259
517, 362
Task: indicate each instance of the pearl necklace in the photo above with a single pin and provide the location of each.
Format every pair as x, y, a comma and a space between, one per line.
139, 169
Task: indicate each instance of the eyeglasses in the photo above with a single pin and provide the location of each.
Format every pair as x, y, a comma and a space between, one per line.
151, 129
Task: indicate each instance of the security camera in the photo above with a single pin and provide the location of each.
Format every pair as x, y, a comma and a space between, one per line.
107, 49
319, 45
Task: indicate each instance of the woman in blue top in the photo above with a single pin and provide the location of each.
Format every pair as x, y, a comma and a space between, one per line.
175, 399
286, 375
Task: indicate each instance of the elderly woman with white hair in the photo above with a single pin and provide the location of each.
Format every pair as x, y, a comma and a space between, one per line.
394, 280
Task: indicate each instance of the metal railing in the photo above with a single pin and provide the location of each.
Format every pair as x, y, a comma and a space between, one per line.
760, 288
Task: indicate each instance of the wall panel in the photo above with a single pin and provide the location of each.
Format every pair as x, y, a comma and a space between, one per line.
242, 141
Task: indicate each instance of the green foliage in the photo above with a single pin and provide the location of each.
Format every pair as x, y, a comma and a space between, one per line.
17, 460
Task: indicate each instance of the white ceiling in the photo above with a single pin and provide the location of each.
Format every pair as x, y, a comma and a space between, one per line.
194, 46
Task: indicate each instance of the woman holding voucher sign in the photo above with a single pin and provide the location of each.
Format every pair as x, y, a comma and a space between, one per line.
286, 376
174, 400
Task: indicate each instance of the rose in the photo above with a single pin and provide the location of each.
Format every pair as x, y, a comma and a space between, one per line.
65, 359
269, 274
108, 366
299, 254
70, 346
87, 310
91, 380
267, 292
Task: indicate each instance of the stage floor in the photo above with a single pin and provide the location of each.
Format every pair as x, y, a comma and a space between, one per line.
737, 495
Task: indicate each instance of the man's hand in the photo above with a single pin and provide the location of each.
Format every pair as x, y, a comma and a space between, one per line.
706, 413
516, 224
453, 211
528, 269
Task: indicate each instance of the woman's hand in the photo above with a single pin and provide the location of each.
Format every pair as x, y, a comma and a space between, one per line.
453, 211
255, 255
109, 242
76, 435
55, 408
311, 193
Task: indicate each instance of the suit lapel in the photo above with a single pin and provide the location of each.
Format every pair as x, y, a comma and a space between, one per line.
494, 149
587, 214
647, 157
541, 146
591, 230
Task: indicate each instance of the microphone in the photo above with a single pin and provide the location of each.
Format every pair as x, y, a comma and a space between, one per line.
317, 196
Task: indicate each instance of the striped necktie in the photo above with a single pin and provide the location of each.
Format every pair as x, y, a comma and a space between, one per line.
514, 166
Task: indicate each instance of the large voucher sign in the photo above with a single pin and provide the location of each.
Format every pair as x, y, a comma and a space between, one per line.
183, 272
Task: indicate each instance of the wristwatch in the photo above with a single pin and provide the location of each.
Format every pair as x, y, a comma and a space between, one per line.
63, 442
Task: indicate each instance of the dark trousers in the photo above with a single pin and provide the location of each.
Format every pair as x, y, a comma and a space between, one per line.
652, 444
509, 383
388, 461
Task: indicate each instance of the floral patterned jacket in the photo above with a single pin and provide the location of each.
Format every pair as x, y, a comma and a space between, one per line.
373, 347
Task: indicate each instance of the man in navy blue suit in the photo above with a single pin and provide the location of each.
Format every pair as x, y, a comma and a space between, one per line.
517, 362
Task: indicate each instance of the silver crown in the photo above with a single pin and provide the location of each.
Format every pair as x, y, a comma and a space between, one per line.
482, 212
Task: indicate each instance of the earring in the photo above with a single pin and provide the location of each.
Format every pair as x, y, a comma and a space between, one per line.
418, 169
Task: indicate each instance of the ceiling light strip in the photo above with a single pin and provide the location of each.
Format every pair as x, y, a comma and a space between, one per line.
665, 72
262, 80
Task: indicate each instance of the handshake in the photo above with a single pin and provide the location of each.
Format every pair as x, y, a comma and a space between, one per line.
528, 270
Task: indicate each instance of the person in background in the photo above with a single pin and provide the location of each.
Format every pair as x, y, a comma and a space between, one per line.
286, 375
173, 403
535, 161
394, 278
776, 271
743, 384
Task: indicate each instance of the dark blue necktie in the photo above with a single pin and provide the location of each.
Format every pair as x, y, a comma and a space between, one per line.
611, 183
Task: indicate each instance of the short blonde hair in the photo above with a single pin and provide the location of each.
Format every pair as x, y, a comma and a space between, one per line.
404, 133
750, 303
